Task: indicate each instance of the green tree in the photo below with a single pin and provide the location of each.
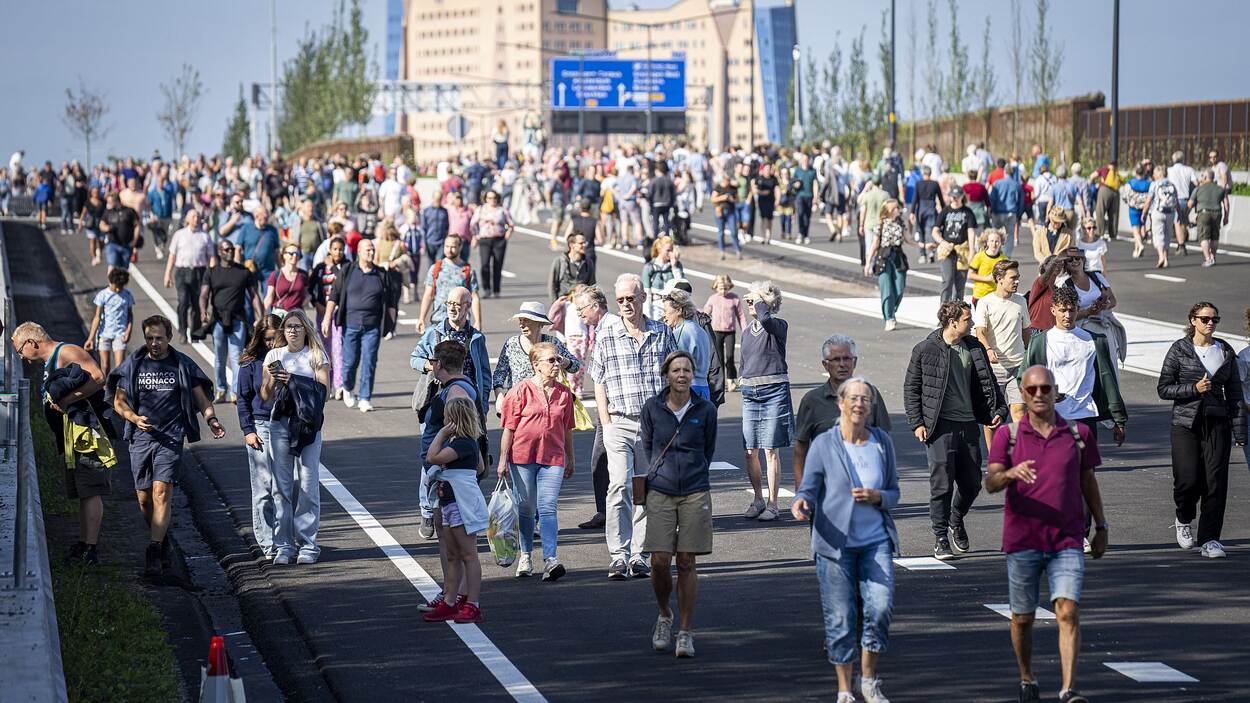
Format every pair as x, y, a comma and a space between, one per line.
1045, 62
354, 74
237, 142
885, 59
986, 85
831, 78
816, 122
959, 87
310, 109
788, 138
859, 108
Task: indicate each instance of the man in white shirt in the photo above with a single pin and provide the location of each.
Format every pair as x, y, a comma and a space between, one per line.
1184, 178
1001, 322
391, 196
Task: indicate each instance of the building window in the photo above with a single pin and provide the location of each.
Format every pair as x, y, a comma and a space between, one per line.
566, 6
560, 26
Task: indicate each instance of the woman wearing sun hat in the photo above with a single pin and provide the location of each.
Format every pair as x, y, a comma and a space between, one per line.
514, 359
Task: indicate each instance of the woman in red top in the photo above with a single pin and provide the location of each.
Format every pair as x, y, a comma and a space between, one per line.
288, 286
537, 444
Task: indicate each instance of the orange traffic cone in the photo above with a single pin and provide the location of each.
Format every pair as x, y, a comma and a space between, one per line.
216, 684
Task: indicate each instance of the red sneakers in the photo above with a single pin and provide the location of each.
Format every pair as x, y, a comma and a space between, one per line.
444, 611
468, 613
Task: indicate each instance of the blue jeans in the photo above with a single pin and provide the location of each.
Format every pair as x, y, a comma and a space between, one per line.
67, 213
117, 256
231, 340
892, 283
297, 493
537, 486
926, 220
866, 573
743, 212
1065, 573
727, 221
360, 350
260, 471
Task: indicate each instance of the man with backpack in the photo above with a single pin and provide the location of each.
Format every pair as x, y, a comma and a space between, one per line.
1047, 467
444, 275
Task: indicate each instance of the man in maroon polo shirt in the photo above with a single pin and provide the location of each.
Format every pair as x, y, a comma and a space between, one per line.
1047, 467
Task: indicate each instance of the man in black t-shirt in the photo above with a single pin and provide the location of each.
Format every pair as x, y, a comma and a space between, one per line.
158, 392
956, 227
365, 305
121, 225
224, 297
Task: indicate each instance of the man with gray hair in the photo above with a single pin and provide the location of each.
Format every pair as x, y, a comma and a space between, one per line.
1210, 201
819, 411
625, 365
1184, 178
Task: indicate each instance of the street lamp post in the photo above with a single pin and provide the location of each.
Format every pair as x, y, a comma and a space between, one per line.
1115, 83
796, 132
893, 83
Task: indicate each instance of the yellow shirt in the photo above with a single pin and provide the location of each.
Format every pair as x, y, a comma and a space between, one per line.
983, 264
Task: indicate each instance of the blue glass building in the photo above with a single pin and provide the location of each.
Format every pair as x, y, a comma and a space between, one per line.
776, 33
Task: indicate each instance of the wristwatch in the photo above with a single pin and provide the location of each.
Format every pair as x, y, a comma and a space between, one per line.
1102, 527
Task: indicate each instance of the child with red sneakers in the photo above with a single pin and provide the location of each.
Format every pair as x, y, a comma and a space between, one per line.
460, 514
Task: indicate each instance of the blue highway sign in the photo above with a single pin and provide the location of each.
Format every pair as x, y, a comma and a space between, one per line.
618, 84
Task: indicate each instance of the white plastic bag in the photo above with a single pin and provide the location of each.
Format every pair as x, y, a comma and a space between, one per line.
503, 531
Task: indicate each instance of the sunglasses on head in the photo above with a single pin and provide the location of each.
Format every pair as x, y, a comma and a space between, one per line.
1041, 389
1208, 319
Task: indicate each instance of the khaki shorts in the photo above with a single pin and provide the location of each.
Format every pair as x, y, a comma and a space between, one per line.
1209, 225
1008, 383
677, 524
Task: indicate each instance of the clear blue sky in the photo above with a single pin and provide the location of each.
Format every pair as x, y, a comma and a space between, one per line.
113, 45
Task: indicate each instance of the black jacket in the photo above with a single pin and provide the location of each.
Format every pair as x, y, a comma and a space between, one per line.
925, 384
683, 470
390, 296
661, 192
1182, 369
301, 401
64, 381
564, 277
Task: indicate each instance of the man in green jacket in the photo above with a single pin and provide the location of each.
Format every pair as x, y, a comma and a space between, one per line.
1085, 373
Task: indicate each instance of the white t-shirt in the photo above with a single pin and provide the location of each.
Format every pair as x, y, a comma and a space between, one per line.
391, 193
298, 363
1183, 177
1094, 252
1211, 356
1070, 356
1086, 297
684, 409
1004, 320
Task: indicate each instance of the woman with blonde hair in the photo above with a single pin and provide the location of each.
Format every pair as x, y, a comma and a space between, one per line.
391, 255
663, 267
887, 260
296, 374
725, 308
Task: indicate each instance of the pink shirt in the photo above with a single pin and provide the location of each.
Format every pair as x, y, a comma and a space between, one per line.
538, 428
458, 223
1049, 514
726, 312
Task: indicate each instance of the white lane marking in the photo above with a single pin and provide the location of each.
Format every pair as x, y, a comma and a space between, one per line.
1226, 252
1004, 609
1161, 277
722, 466
1150, 672
781, 492
923, 564
822, 253
504, 671
508, 274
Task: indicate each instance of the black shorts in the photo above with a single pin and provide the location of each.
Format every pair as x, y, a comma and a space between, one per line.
153, 460
87, 479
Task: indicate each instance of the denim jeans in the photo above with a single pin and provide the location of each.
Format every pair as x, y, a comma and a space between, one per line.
227, 345
742, 211
893, 283
861, 574
1065, 575
626, 523
926, 220
727, 221
67, 213
537, 487
260, 470
360, 352
297, 493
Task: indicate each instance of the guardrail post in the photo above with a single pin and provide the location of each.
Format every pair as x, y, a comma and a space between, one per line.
24, 485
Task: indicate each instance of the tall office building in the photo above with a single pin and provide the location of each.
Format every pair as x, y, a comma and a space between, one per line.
499, 52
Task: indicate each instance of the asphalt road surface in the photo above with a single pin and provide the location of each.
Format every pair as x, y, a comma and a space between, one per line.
1148, 608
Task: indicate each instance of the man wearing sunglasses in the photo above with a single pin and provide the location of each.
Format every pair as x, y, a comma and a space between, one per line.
1047, 467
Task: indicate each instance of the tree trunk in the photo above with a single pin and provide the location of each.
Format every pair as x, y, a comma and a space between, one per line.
1015, 126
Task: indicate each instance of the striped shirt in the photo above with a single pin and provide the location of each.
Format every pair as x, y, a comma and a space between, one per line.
630, 371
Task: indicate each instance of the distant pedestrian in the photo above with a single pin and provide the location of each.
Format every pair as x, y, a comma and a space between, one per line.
1200, 377
224, 296
679, 315
365, 304
767, 413
492, 226
1210, 203
888, 262
678, 440
191, 253
725, 308
848, 490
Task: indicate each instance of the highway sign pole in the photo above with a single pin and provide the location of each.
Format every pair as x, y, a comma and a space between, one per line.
650, 68
893, 84
1115, 83
581, 103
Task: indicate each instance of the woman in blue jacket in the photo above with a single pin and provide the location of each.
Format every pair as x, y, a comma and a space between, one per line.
849, 487
254, 422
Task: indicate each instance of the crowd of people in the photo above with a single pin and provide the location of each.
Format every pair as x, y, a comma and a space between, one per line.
297, 271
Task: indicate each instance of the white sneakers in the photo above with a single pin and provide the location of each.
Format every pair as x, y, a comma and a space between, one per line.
871, 690
754, 509
891, 325
685, 645
662, 634
1184, 535
524, 566
364, 405
348, 399
306, 559
1212, 549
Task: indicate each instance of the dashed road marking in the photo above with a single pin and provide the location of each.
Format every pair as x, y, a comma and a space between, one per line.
1150, 672
923, 564
1161, 277
1004, 609
722, 466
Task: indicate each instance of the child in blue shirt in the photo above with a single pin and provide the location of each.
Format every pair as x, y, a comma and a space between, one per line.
112, 321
